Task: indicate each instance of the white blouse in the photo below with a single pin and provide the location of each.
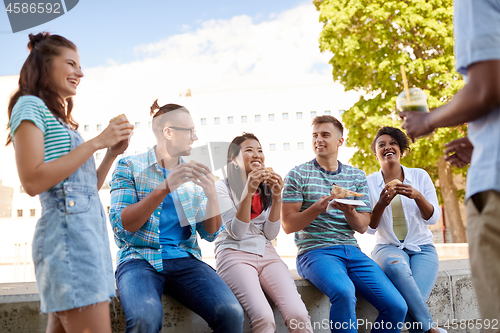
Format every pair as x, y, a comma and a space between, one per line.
418, 227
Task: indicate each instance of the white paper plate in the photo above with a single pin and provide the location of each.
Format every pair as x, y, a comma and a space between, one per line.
349, 202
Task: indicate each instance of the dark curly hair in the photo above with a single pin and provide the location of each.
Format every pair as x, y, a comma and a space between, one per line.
397, 134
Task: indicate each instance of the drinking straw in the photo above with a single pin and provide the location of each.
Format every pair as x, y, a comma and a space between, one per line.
405, 82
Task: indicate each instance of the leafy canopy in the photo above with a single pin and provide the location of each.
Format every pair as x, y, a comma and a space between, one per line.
370, 40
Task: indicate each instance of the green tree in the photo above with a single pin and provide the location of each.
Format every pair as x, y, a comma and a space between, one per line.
370, 40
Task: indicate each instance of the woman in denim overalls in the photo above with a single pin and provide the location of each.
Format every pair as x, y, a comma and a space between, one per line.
70, 247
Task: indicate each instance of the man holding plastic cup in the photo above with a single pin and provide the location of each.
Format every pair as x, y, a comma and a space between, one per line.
477, 53
158, 206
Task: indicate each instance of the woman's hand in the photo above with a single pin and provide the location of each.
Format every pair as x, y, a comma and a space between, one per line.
407, 190
276, 184
386, 196
113, 136
255, 177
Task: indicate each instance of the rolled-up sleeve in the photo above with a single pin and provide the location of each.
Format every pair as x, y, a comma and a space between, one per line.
200, 216
123, 194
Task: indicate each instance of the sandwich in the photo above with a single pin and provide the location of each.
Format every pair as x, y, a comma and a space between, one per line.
393, 183
122, 118
270, 169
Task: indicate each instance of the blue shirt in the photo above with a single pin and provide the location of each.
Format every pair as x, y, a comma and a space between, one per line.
477, 38
171, 232
133, 179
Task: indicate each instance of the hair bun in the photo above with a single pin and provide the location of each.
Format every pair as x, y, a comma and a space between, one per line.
36, 39
154, 107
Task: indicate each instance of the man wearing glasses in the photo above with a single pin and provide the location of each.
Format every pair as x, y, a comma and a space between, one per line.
158, 203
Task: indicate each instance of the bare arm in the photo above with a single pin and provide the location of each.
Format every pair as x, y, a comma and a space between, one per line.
293, 220
36, 175
478, 98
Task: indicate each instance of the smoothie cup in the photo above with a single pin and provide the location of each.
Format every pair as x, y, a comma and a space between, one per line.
416, 102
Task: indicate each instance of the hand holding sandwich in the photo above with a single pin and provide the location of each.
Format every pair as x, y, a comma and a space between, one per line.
116, 136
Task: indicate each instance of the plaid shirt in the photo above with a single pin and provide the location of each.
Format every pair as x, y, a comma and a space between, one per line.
134, 178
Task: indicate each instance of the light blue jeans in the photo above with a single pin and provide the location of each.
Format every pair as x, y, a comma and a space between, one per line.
340, 272
414, 274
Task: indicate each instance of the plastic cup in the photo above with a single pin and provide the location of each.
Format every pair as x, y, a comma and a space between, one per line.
416, 102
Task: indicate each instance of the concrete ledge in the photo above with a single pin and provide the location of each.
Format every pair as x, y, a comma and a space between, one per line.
452, 298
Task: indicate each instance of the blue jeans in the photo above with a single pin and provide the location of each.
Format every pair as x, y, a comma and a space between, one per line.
342, 270
191, 282
414, 274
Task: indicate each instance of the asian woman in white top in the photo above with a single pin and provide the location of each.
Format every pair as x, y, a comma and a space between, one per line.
250, 205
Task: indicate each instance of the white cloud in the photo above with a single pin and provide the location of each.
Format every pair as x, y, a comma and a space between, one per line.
221, 55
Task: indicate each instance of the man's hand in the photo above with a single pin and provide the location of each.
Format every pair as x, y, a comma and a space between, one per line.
179, 175
459, 152
346, 209
322, 204
416, 124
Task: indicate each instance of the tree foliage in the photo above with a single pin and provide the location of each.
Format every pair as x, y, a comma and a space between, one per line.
369, 40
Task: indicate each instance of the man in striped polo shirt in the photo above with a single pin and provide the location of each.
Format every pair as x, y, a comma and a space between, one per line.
328, 254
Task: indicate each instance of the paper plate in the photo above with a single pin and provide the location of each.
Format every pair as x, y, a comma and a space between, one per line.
349, 202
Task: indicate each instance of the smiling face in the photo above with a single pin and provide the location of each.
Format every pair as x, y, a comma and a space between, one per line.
387, 149
66, 72
326, 140
251, 155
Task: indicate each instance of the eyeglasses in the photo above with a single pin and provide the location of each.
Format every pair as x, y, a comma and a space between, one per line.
192, 131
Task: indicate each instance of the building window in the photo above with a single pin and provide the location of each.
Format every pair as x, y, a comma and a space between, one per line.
272, 147
150, 124
19, 213
271, 117
32, 212
286, 146
298, 115
257, 118
203, 121
137, 125
217, 150
204, 151
217, 120
341, 112
98, 156
99, 127
300, 145
230, 119
86, 128
243, 119
284, 115
328, 112
313, 114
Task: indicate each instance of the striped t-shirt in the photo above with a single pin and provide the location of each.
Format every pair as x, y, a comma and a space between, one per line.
307, 183
55, 136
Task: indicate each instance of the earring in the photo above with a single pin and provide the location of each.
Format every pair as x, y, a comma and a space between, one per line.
236, 166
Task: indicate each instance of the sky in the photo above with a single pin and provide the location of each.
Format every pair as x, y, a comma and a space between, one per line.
114, 32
